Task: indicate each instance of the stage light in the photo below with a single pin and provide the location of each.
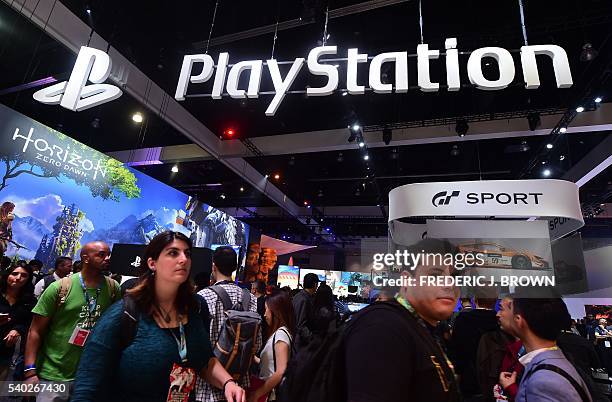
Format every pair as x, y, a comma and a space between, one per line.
563, 130
549, 146
222, 196
524, 146
387, 135
366, 157
455, 151
598, 99
361, 144
88, 10
562, 157
276, 176
137, 117
356, 127
267, 176
534, 121
580, 109
241, 189
546, 172
543, 162
174, 169
588, 52
305, 203
344, 93
462, 127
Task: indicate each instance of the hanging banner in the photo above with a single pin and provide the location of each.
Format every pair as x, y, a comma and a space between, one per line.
554, 200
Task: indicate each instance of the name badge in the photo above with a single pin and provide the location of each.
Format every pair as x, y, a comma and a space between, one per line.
607, 344
182, 382
79, 336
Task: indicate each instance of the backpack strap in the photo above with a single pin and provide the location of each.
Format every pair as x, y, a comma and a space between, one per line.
223, 296
246, 300
129, 322
112, 290
62, 292
564, 374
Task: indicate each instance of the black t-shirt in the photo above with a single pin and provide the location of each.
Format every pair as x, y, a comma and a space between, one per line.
390, 357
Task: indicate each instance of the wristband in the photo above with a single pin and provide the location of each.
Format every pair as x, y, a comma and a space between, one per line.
29, 366
227, 382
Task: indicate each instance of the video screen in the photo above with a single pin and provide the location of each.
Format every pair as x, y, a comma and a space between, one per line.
598, 311
288, 275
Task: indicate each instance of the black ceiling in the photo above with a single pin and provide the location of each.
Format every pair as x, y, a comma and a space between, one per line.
155, 36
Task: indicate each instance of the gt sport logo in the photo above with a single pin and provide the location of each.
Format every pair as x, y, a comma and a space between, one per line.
442, 198
91, 65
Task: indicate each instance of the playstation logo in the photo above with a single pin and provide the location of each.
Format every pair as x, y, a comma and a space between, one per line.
91, 65
442, 198
136, 262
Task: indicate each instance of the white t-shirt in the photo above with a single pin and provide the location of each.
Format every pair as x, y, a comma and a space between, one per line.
266, 367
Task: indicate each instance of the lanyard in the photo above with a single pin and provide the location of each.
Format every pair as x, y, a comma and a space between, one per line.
182, 343
91, 302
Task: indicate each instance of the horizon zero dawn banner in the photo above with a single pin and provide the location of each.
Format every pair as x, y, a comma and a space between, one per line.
57, 194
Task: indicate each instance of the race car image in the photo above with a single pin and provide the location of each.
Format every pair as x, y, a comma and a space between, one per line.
498, 256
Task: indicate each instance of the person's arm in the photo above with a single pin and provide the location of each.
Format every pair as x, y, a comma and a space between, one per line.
100, 358
216, 375
37, 332
282, 358
38, 289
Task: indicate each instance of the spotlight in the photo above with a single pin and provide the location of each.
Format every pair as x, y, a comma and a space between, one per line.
267, 176
562, 157
546, 172
366, 157
328, 230
276, 176
222, 196
174, 169
598, 99
543, 162
137, 117
361, 144
549, 146
588, 52
455, 151
356, 127
462, 127
563, 130
305, 203
340, 157
524, 146
229, 134
88, 10
579, 109
241, 189
344, 93
534, 121
387, 134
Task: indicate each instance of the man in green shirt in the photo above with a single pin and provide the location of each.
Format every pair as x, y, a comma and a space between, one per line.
65, 313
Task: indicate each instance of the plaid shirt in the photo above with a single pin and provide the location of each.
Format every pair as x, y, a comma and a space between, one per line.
204, 391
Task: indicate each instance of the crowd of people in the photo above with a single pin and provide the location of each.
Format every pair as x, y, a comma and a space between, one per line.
161, 337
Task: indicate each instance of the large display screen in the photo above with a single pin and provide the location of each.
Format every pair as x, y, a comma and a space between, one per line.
343, 283
288, 275
66, 194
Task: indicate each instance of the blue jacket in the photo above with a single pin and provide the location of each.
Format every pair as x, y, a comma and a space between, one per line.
546, 385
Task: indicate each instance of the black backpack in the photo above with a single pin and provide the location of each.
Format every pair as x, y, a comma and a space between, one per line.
317, 372
131, 316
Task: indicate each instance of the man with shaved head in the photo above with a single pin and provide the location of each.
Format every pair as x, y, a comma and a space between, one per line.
63, 318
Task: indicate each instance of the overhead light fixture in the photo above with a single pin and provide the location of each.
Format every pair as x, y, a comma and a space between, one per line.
305, 203
174, 169
455, 151
137, 117
88, 10
241, 189
588, 52
222, 196
549, 146
546, 172
344, 93
543, 162
462, 127
361, 144
563, 130
267, 176
580, 109
387, 135
562, 157
366, 157
534, 121
340, 157
524, 146
276, 176
356, 127
598, 99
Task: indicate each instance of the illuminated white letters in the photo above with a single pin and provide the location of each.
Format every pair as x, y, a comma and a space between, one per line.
317, 68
